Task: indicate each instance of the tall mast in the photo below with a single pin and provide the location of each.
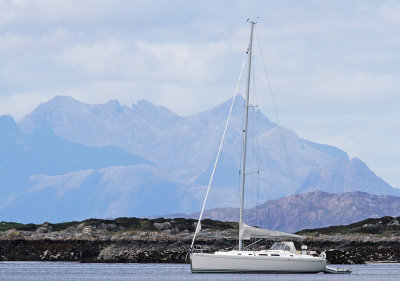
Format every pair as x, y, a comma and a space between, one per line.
246, 116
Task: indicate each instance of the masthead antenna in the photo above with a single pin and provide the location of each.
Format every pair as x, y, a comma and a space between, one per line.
254, 21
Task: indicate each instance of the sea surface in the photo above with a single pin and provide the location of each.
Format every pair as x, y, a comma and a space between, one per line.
63, 271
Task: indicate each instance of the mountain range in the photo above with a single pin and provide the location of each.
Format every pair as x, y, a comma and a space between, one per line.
68, 160
309, 210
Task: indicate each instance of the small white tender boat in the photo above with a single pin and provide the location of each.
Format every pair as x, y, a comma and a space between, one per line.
334, 270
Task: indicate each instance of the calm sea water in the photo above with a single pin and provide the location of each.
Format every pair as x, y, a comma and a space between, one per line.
62, 271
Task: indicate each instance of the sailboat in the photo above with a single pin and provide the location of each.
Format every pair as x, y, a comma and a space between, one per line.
282, 257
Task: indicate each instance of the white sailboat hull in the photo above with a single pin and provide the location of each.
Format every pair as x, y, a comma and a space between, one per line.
246, 263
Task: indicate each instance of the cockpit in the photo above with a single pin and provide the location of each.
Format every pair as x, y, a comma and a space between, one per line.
284, 246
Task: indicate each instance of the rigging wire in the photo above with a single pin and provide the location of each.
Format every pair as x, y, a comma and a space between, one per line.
252, 138
290, 166
218, 154
258, 167
240, 170
257, 154
255, 142
255, 148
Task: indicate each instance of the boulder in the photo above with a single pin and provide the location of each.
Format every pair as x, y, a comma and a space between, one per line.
162, 226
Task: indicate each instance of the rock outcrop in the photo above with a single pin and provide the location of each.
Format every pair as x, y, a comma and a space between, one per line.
168, 241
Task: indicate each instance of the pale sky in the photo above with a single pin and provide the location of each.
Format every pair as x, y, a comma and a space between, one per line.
334, 65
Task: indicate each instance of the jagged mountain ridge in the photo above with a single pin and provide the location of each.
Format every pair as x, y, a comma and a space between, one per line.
186, 146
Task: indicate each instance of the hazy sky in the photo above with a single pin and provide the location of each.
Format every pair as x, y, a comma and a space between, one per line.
334, 65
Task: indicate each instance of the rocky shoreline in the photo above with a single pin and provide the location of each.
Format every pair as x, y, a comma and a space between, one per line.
175, 251
169, 242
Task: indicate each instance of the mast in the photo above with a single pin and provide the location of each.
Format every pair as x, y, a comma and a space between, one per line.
246, 116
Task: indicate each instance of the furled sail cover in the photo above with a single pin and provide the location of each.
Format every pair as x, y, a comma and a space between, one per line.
247, 232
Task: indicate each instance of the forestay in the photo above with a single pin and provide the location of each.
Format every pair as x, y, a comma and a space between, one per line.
247, 232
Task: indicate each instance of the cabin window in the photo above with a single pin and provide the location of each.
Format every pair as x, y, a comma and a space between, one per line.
280, 246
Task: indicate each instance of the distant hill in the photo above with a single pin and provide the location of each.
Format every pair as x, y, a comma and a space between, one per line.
69, 160
310, 210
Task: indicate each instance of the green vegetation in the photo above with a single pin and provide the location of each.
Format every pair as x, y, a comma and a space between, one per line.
128, 224
384, 226
4, 226
18, 226
10, 225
